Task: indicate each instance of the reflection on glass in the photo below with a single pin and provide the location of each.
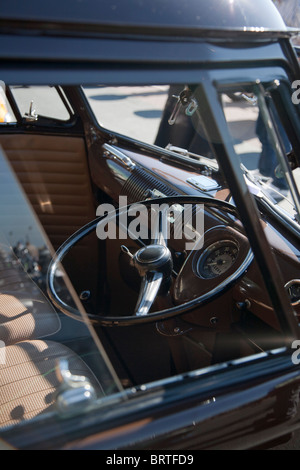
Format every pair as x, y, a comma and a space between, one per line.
28, 318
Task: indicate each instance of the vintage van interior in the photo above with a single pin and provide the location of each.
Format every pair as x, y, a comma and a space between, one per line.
115, 314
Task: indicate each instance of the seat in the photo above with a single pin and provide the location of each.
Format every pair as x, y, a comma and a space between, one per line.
28, 363
25, 313
28, 378
26, 317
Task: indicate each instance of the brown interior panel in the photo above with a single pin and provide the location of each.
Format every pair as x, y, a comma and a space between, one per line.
54, 174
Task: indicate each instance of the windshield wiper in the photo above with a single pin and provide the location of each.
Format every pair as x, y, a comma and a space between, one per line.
261, 189
210, 163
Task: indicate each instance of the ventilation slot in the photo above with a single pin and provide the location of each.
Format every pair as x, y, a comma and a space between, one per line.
139, 184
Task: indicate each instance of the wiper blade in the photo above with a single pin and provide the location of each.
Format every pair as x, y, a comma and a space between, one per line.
212, 164
255, 181
266, 192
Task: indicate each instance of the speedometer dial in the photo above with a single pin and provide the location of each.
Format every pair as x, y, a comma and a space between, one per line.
217, 259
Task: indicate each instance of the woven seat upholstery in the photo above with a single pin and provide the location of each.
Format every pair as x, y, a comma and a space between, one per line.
28, 380
25, 313
23, 318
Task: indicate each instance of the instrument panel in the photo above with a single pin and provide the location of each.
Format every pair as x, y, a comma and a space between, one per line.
217, 258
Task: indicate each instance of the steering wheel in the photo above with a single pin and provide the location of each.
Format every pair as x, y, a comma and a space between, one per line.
153, 261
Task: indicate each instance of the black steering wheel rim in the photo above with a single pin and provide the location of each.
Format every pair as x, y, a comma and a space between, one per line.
153, 316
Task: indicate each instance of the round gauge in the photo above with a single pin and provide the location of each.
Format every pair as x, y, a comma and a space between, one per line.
217, 259
293, 289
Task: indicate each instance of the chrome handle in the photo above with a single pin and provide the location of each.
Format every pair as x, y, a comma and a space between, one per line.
74, 391
110, 150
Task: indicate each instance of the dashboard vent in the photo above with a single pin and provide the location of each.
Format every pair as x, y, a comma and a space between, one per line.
141, 183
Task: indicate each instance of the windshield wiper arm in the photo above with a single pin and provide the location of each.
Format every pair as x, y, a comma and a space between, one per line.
210, 163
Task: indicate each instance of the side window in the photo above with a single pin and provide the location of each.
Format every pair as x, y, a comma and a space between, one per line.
41, 101
138, 109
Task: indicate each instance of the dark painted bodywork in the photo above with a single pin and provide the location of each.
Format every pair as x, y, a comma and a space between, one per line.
216, 414
93, 15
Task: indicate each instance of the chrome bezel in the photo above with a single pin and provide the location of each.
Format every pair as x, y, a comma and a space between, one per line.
210, 249
288, 285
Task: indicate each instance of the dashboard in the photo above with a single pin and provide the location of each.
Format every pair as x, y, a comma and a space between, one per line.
223, 260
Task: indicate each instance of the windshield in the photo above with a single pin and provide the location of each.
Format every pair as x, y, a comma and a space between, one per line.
265, 152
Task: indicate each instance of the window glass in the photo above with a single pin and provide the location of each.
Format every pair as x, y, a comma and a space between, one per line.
54, 348
138, 109
260, 141
41, 101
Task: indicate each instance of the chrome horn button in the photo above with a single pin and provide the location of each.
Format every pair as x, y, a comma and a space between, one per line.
153, 258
